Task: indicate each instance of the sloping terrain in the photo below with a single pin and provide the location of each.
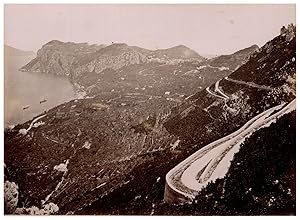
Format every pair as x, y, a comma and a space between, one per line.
56, 57
211, 162
77, 59
261, 179
117, 129
204, 113
201, 119
109, 154
95, 69
233, 61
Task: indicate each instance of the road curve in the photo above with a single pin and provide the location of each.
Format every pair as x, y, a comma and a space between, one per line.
185, 180
217, 89
213, 94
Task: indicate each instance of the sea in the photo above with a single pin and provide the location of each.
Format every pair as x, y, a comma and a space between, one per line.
28, 94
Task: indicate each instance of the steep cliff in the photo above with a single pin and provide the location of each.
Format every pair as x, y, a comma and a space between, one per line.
57, 57
75, 60
113, 57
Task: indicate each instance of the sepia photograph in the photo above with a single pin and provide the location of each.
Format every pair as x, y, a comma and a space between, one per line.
149, 109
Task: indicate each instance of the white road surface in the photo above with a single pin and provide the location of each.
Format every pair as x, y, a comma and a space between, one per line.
213, 161
217, 89
213, 94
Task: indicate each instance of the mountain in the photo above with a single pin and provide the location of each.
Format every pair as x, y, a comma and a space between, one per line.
267, 79
57, 57
109, 153
88, 66
11, 51
233, 61
74, 60
178, 52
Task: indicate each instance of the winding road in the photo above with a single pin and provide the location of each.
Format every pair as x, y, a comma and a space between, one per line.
213, 94
217, 89
217, 92
220, 94
213, 161
251, 84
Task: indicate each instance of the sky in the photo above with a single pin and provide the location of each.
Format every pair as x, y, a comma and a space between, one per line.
207, 29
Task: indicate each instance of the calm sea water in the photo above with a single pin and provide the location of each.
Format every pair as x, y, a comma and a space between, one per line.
28, 89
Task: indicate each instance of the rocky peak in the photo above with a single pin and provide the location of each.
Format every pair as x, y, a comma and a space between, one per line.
248, 50
289, 32
54, 42
178, 52
233, 61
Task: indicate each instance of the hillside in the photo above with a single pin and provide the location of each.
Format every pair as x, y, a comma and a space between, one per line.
206, 112
203, 118
56, 57
76, 59
261, 179
96, 69
233, 61
110, 153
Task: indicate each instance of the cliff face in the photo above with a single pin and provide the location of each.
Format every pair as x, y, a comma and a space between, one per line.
57, 57
75, 60
113, 57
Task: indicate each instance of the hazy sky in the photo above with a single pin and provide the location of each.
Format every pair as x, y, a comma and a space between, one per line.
208, 29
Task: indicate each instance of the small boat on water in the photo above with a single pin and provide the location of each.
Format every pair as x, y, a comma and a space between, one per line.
42, 101
26, 107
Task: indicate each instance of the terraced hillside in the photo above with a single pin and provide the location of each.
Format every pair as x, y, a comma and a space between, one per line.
204, 117
119, 124
109, 153
237, 98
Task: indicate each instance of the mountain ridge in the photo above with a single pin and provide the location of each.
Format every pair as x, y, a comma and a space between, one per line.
58, 57
80, 60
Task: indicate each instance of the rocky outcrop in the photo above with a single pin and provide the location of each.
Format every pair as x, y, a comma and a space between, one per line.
74, 60
57, 57
113, 57
11, 194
